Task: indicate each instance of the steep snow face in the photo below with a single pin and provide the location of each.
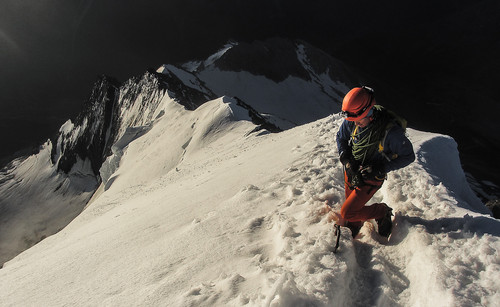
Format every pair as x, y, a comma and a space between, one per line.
186, 77
112, 109
288, 83
216, 56
203, 211
304, 95
193, 66
282, 104
42, 193
139, 103
37, 201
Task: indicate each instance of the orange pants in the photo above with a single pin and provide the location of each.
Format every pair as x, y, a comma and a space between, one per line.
354, 210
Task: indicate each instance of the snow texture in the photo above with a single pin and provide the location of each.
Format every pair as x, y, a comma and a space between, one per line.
199, 211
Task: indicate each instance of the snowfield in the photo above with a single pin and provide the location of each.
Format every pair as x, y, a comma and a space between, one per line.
198, 210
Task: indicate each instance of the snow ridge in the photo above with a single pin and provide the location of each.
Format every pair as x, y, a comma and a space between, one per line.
40, 196
231, 217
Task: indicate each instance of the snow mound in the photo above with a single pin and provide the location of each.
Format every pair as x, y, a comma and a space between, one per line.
201, 211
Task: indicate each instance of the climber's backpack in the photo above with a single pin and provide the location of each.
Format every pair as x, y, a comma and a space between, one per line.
393, 119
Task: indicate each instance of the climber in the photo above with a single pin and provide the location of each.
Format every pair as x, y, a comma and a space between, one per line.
371, 142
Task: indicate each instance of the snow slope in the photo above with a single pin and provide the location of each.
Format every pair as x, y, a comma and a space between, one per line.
38, 201
293, 84
201, 212
41, 193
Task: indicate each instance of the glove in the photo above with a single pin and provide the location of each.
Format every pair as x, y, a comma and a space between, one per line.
351, 168
373, 172
346, 158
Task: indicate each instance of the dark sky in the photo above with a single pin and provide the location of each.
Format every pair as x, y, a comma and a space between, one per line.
52, 50
444, 53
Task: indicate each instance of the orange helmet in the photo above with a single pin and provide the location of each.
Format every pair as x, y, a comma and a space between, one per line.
358, 103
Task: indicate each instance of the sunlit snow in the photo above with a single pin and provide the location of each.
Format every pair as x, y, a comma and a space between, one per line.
199, 211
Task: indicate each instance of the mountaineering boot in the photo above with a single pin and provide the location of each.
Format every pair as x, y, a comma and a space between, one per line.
354, 227
385, 223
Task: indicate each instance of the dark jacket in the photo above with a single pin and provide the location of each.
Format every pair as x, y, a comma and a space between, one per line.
396, 143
